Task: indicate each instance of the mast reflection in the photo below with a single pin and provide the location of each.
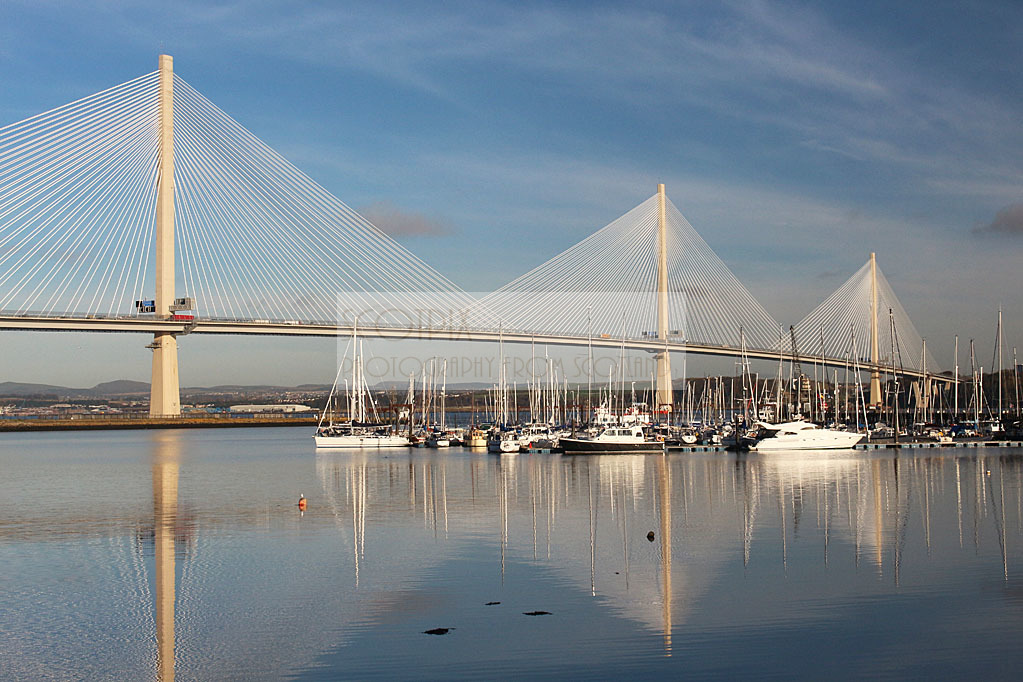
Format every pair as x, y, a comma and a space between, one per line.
583, 516
664, 481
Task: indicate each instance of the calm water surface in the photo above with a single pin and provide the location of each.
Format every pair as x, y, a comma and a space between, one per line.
153, 555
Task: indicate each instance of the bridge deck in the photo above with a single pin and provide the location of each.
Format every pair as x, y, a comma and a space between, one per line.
125, 324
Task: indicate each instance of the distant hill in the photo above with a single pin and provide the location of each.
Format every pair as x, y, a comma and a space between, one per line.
127, 387
236, 388
17, 388
120, 387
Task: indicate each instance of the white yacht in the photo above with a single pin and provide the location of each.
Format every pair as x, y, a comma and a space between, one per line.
355, 436
802, 436
503, 442
537, 435
438, 439
355, 431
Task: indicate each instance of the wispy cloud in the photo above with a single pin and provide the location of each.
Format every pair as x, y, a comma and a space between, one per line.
786, 67
400, 223
1007, 223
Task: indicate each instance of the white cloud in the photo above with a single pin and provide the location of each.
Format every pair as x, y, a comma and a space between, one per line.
401, 223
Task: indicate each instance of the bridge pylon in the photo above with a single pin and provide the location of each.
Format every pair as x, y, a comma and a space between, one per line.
165, 393
663, 370
875, 354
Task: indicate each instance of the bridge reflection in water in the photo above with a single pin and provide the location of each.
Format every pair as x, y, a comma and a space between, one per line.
707, 514
166, 453
245, 585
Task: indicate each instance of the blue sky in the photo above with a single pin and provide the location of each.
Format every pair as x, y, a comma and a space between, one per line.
795, 137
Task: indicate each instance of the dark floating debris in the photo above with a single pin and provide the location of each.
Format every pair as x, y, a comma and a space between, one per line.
492, 603
650, 536
616, 573
438, 631
536, 613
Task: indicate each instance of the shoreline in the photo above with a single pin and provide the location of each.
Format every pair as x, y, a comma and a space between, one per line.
115, 423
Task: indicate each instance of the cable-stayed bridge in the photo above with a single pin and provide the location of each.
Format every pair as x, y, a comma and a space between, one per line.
145, 208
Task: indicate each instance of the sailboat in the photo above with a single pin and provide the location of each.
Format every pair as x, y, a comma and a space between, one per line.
356, 431
502, 439
439, 437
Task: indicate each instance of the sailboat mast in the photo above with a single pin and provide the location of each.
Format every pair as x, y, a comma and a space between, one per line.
891, 333
976, 388
925, 397
443, 393
589, 363
778, 380
433, 387
425, 397
621, 368
999, 362
361, 391
355, 370
955, 409
533, 387
1015, 379
411, 401
502, 379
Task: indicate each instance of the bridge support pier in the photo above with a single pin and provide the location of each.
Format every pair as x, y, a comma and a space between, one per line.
165, 392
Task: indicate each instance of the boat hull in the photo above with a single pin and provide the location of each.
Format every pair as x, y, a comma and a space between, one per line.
504, 447
575, 446
361, 441
830, 441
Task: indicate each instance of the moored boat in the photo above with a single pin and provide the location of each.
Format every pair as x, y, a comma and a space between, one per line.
355, 436
614, 439
357, 431
802, 436
476, 438
438, 439
537, 437
503, 442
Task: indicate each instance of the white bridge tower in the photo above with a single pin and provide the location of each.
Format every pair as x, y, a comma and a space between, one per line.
165, 395
663, 371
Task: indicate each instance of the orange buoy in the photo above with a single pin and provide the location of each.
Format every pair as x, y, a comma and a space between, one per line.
301, 503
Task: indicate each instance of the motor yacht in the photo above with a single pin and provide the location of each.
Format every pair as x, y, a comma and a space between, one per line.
802, 436
616, 439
